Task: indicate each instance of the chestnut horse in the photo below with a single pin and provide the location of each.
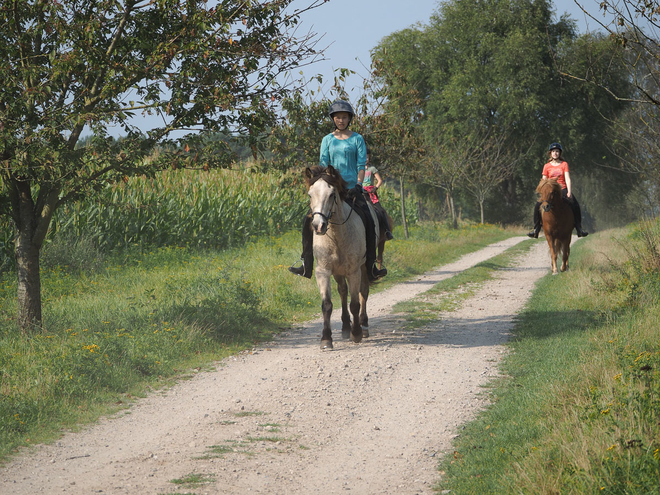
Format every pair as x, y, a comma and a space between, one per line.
340, 248
558, 222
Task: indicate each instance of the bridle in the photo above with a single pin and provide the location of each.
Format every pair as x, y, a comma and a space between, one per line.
329, 215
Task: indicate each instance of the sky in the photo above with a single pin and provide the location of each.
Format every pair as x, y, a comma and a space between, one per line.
351, 28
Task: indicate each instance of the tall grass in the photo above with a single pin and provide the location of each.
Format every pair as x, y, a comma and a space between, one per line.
579, 408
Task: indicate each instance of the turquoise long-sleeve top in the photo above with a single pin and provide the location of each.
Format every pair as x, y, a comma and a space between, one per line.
346, 155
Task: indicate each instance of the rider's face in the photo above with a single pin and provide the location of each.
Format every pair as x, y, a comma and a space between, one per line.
555, 154
341, 120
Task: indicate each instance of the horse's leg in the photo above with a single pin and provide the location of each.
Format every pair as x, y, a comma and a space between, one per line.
553, 253
364, 295
342, 288
567, 252
556, 249
323, 281
354, 289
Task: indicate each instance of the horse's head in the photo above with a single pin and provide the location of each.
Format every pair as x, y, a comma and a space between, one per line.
324, 195
549, 192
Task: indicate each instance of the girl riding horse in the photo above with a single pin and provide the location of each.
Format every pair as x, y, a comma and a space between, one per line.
557, 169
346, 151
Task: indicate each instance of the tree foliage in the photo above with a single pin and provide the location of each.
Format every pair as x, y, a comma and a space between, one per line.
493, 68
71, 66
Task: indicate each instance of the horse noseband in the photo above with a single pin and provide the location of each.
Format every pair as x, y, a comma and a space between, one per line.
323, 216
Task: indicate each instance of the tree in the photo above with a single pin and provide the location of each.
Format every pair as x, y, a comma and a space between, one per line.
635, 26
397, 89
74, 66
493, 164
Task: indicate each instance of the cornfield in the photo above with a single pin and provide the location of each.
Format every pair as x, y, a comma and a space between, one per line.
215, 209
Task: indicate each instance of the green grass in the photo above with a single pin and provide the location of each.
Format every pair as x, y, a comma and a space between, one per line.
578, 408
140, 319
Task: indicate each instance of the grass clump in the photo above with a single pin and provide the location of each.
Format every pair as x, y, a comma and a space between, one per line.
578, 410
193, 479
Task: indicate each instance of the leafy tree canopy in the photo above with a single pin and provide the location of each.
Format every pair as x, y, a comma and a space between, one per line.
71, 66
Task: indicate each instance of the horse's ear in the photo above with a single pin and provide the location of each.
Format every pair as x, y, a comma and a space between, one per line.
307, 173
330, 170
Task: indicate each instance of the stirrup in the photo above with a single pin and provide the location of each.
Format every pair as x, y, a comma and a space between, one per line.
377, 273
298, 270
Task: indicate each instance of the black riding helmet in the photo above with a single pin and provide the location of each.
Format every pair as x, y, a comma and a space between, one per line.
555, 146
342, 106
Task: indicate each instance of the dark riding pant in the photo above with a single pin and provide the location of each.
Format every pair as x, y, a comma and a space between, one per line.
381, 214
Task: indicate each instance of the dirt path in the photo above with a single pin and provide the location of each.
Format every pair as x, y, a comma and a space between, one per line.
366, 419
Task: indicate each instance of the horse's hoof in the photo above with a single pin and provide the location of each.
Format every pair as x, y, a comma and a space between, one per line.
326, 344
365, 333
345, 334
356, 338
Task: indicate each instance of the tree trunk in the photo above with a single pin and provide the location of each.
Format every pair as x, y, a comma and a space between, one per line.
31, 220
29, 282
403, 209
454, 222
481, 207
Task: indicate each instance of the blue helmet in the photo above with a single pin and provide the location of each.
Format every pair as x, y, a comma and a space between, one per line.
555, 146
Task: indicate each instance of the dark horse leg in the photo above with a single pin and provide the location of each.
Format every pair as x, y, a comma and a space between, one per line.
354, 281
342, 288
323, 281
364, 295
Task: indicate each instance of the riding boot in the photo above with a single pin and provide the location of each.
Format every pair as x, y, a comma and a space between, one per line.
384, 224
577, 216
534, 233
308, 254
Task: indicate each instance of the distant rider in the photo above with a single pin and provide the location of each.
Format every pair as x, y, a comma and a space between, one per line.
557, 169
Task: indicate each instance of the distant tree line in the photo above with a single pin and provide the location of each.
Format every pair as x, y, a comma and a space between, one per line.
464, 107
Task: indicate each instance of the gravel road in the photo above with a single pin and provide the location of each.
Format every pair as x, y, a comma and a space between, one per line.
289, 418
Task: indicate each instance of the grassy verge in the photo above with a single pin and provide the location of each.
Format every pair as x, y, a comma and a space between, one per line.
578, 408
117, 327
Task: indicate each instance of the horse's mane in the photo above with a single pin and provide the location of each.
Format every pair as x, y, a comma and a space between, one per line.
552, 183
328, 174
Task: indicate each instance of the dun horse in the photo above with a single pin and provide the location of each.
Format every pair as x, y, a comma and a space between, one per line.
557, 218
340, 251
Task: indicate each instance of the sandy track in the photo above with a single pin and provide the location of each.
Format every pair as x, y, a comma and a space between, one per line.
371, 418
